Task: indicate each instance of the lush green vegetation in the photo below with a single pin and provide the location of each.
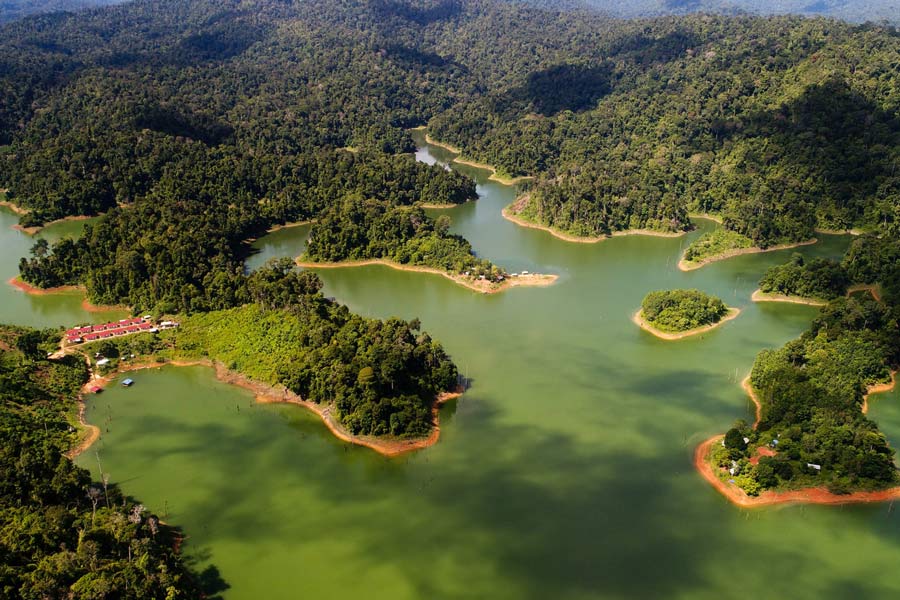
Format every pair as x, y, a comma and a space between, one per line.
717, 242
182, 247
11, 10
584, 207
380, 378
357, 230
62, 535
681, 310
778, 125
811, 390
819, 278
870, 10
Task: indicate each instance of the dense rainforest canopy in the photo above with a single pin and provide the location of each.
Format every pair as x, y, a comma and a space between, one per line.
63, 535
779, 124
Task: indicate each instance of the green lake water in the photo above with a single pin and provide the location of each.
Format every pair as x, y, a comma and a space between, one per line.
564, 471
39, 311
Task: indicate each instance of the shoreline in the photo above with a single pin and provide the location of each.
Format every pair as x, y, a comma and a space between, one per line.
483, 286
35, 229
24, 286
267, 394
707, 216
13, 207
638, 319
275, 228
761, 296
813, 495
854, 231
509, 214
440, 206
878, 388
471, 163
684, 265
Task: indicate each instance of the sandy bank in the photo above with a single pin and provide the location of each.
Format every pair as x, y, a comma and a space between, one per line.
471, 163
685, 265
814, 495
707, 216
862, 287
638, 319
440, 206
854, 231
13, 207
510, 214
878, 388
761, 296
26, 287
267, 394
37, 228
478, 285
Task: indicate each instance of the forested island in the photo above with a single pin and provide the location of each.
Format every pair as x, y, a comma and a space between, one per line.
65, 535
676, 314
812, 440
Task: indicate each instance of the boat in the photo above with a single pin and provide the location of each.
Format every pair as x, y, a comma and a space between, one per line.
128, 382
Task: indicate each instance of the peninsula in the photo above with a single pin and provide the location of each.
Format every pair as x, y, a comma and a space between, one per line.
721, 244
478, 283
514, 210
495, 175
708, 460
359, 233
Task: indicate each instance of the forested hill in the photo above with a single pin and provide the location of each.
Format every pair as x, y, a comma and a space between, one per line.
11, 10
779, 124
856, 11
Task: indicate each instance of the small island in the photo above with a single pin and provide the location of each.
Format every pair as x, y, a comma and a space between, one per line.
677, 314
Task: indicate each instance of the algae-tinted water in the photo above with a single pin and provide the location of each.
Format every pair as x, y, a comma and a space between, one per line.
564, 472
20, 308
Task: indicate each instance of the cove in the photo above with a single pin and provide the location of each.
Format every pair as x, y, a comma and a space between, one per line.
565, 471
54, 310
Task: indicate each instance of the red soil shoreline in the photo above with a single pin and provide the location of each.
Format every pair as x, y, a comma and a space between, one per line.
26, 287
814, 495
266, 394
